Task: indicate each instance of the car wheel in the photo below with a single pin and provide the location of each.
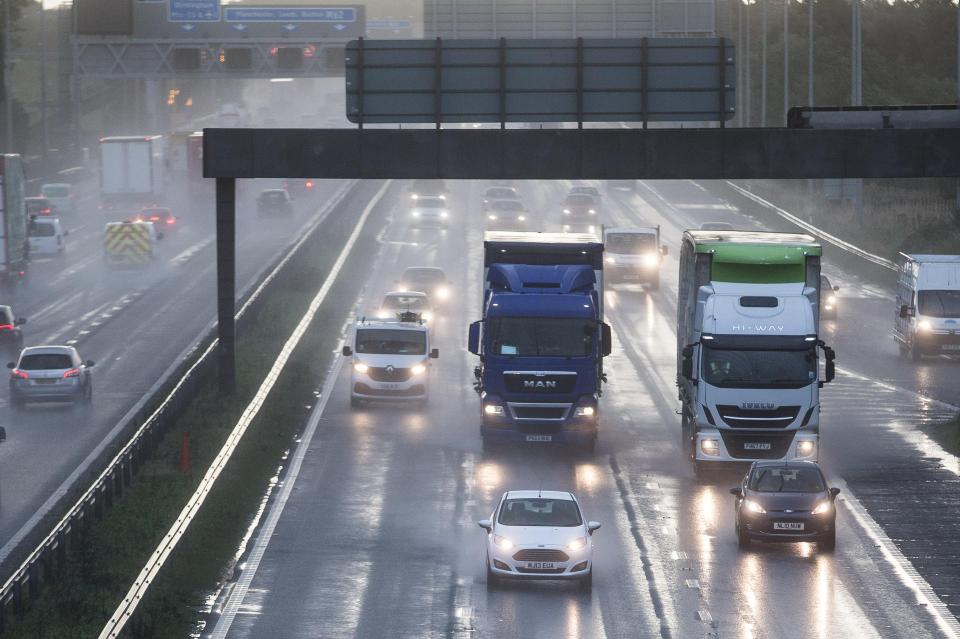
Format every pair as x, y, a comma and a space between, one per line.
743, 540
828, 542
586, 583
493, 581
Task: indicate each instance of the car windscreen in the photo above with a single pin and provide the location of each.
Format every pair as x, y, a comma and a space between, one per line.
273, 197
507, 205
423, 275
387, 341
579, 199
413, 303
938, 303
541, 336
45, 362
503, 192
536, 511
55, 190
589, 190
42, 230
772, 479
759, 368
431, 203
630, 243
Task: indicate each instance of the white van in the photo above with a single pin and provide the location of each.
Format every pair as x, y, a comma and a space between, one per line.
46, 236
927, 320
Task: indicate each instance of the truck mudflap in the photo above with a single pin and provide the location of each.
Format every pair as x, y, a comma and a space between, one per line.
716, 445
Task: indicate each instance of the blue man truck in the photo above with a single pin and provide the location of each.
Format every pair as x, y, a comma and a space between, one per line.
542, 338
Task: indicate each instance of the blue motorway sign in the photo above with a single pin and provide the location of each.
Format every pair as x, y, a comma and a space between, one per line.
193, 11
289, 14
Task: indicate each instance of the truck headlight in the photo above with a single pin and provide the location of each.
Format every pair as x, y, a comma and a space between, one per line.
710, 447
444, 215
923, 325
360, 367
418, 369
610, 260
493, 409
443, 292
522, 218
805, 448
585, 411
650, 260
592, 212
416, 214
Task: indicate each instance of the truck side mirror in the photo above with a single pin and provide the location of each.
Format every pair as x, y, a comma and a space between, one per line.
434, 353
907, 311
473, 339
686, 364
346, 351
664, 251
606, 340
830, 371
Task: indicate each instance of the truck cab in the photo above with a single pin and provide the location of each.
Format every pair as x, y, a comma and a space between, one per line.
390, 360
541, 340
633, 255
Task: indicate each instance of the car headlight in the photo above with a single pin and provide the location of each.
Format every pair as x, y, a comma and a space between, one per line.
522, 218
418, 369
492, 409
805, 448
753, 506
585, 411
360, 367
566, 211
823, 508
832, 299
502, 542
650, 259
710, 446
414, 196
442, 292
491, 217
444, 214
416, 214
577, 544
610, 260
592, 212
923, 325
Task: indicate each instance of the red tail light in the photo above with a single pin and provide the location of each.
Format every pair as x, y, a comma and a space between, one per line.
6, 327
170, 220
73, 372
19, 373
154, 218
45, 211
309, 184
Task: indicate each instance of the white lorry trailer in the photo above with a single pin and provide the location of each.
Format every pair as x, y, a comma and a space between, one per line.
747, 346
927, 320
132, 171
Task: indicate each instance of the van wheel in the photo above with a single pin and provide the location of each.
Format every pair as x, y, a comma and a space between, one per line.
355, 402
915, 353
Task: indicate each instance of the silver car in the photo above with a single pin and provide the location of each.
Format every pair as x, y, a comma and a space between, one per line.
62, 198
50, 374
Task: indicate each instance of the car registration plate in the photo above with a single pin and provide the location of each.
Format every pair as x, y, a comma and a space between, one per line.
756, 446
541, 565
951, 347
47, 381
389, 386
539, 438
631, 276
788, 525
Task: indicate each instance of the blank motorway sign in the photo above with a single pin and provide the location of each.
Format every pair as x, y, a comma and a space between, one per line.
568, 80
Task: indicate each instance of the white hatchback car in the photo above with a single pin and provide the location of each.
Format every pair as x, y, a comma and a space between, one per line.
539, 534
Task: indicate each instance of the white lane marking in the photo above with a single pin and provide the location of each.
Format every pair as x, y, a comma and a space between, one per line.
908, 575
833, 239
263, 539
188, 253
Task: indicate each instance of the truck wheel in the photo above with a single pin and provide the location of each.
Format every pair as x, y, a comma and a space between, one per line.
903, 350
686, 437
828, 542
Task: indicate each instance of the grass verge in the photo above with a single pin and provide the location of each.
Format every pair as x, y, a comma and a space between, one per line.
947, 435
113, 551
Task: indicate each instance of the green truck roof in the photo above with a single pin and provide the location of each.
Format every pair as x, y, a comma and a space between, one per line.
736, 255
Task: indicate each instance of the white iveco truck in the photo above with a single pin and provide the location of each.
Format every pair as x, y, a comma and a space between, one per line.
747, 346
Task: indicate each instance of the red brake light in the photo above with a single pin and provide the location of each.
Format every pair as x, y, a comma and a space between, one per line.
154, 218
73, 372
6, 327
45, 211
171, 220
19, 373
309, 184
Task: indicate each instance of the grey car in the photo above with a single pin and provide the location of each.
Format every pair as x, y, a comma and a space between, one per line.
50, 374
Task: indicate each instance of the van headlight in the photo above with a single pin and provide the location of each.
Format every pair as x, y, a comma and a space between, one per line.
360, 367
754, 507
419, 369
923, 325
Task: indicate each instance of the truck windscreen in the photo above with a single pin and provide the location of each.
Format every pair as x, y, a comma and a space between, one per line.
759, 368
383, 341
938, 303
541, 336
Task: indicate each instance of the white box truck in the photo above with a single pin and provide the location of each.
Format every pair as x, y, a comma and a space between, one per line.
747, 347
927, 320
132, 170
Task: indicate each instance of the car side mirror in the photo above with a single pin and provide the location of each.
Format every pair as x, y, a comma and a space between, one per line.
606, 340
486, 524
834, 492
593, 526
473, 339
20, 321
11, 365
836, 288
88, 363
434, 353
664, 251
346, 351
736, 492
686, 364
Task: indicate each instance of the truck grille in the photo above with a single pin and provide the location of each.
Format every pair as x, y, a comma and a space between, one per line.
737, 444
737, 417
540, 554
378, 374
545, 384
539, 412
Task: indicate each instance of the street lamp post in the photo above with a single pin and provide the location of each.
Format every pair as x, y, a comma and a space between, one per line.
43, 84
786, 57
810, 52
7, 81
748, 89
763, 68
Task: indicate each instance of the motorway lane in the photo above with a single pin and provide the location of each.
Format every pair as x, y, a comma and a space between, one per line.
379, 539
134, 324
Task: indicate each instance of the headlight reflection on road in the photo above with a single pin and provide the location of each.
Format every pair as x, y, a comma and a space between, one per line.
573, 618
588, 478
489, 476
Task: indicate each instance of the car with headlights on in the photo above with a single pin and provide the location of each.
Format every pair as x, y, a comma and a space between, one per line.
507, 215
580, 212
430, 210
828, 299
788, 501
396, 302
430, 280
390, 360
633, 255
497, 194
50, 374
539, 534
